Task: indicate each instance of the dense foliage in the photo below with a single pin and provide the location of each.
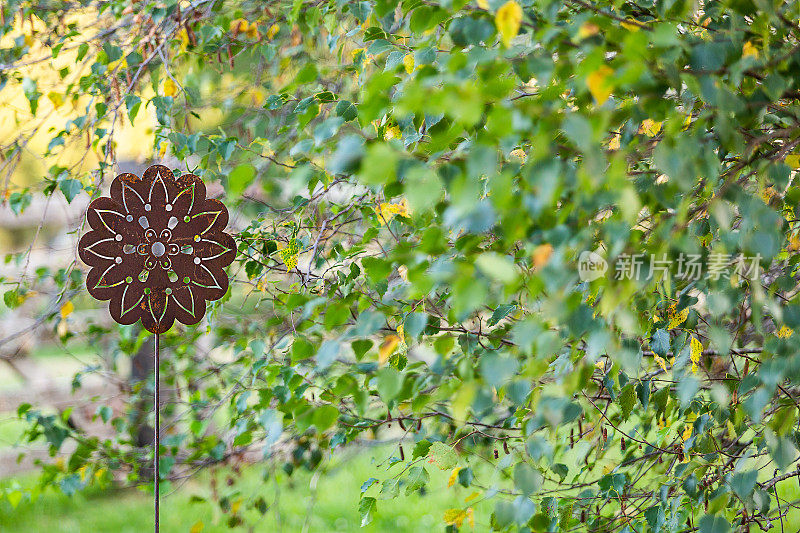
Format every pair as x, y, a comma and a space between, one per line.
418, 181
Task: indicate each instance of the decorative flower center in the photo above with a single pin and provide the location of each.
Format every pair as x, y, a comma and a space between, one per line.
158, 249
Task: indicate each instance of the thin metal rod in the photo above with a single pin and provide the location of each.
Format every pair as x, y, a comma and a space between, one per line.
157, 453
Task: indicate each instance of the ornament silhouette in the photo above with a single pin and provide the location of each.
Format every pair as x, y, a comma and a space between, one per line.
157, 252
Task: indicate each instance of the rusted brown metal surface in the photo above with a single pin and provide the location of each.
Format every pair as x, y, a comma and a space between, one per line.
157, 249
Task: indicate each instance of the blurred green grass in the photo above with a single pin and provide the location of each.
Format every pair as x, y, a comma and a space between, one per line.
334, 507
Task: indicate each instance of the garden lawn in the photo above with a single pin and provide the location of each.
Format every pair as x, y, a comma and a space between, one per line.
334, 509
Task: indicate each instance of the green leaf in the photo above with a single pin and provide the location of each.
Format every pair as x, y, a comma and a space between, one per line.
19, 201
783, 452
527, 479
346, 110
655, 518
498, 267
743, 483
70, 188
272, 422
14, 497
325, 416
366, 508
627, 400
561, 470
421, 449
239, 178
367, 484
105, 413
465, 477
500, 312
497, 369
417, 478
389, 381
643, 392
327, 354
414, 324
422, 187
347, 156
379, 165
659, 343
132, 104
361, 347
714, 524
70, 484
443, 456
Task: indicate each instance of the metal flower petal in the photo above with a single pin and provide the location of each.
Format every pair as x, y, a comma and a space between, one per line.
157, 249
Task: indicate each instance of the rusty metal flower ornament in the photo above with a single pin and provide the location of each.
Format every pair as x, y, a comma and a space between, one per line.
157, 249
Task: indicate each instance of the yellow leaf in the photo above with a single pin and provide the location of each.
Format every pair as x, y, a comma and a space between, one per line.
749, 50
696, 351
676, 319
471, 497
387, 211
162, 150
518, 154
235, 506
183, 35
686, 433
392, 133
453, 477
56, 98
67, 309
508, 20
541, 255
273, 31
767, 194
170, 89
387, 348
600, 84
615, 142
588, 29
650, 127
252, 31
793, 160
197, 527
238, 26
28, 40
288, 259
483, 4
660, 362
784, 332
408, 63
630, 25
454, 517
402, 208
256, 96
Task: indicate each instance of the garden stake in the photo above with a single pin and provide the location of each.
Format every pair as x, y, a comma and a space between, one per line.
157, 251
